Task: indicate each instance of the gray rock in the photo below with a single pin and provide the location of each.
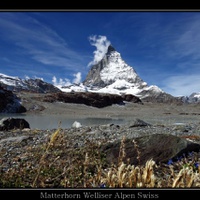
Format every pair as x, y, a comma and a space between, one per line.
139, 123
159, 147
13, 123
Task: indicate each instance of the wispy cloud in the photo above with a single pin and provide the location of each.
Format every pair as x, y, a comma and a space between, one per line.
77, 78
185, 48
101, 43
188, 42
170, 46
66, 82
38, 41
182, 85
60, 82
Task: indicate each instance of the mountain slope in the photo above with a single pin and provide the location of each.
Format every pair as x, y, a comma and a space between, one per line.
9, 102
113, 75
12, 83
111, 69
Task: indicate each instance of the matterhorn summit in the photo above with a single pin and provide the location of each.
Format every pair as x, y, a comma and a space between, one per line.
112, 75
112, 69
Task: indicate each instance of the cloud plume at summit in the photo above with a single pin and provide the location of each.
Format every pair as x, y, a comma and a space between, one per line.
101, 43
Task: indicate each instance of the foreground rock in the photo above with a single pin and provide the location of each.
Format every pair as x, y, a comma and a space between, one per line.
139, 123
159, 147
136, 142
24, 152
13, 123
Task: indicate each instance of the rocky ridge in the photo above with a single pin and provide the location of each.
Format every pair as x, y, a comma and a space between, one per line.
110, 69
98, 100
16, 84
113, 75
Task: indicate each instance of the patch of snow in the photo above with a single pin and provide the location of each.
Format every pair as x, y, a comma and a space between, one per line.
74, 88
154, 88
117, 69
11, 81
197, 95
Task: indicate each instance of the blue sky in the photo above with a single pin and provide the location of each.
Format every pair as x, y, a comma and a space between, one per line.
163, 47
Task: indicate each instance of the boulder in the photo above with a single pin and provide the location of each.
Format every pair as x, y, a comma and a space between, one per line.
139, 123
159, 147
13, 123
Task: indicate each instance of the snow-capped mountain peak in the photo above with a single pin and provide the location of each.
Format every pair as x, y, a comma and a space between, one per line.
10, 80
194, 97
110, 75
117, 69
113, 75
110, 69
17, 84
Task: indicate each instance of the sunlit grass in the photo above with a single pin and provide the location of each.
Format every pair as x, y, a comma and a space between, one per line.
56, 164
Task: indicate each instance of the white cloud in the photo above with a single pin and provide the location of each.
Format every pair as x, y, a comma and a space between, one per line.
77, 78
60, 83
66, 82
101, 43
54, 80
188, 42
182, 85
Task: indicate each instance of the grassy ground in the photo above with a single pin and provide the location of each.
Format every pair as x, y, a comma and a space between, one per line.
55, 164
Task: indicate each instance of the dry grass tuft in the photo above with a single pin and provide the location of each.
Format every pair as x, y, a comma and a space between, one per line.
59, 164
127, 175
42, 160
